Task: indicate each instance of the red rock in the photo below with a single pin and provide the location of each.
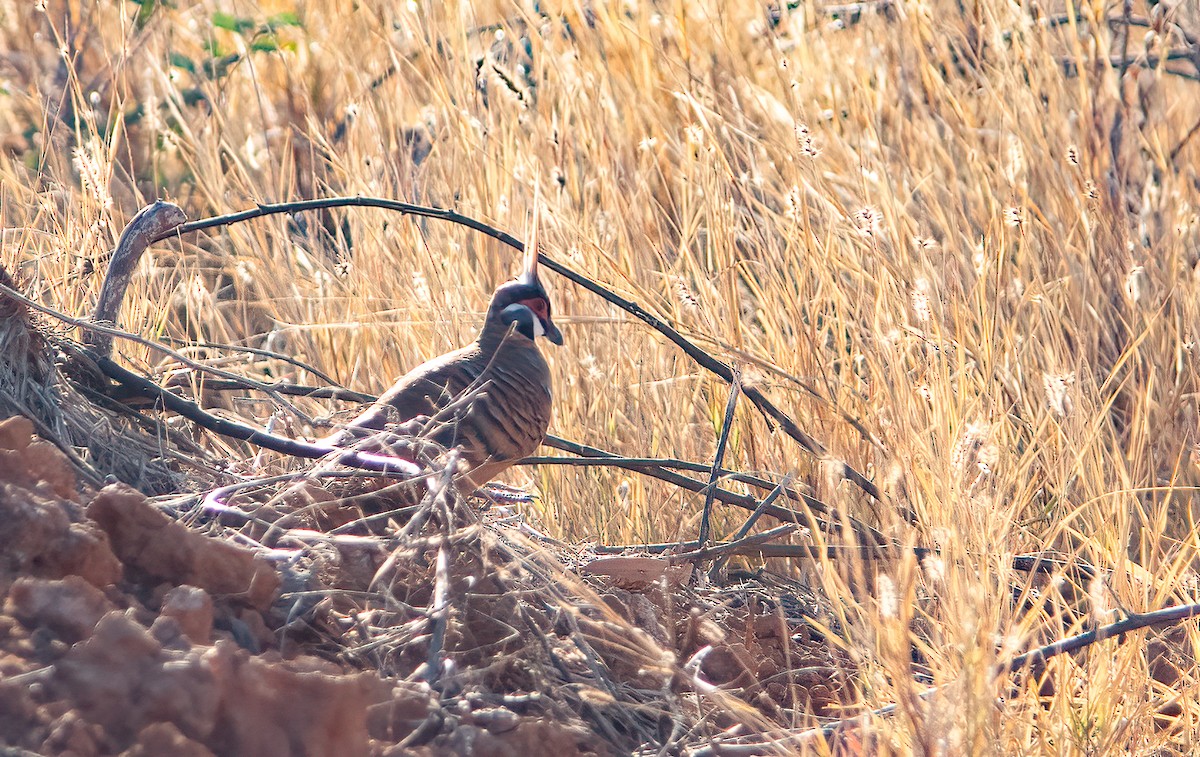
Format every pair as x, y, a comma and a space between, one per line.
148, 540
84, 551
276, 709
70, 607
46, 463
15, 433
73, 735
410, 704
160, 739
38, 538
192, 608
220, 699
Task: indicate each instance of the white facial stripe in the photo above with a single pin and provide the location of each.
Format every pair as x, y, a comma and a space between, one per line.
538, 328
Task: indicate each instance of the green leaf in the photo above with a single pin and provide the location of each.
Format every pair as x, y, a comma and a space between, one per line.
284, 19
232, 23
265, 43
145, 12
179, 60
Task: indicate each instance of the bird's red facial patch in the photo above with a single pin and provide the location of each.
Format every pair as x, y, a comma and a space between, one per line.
539, 306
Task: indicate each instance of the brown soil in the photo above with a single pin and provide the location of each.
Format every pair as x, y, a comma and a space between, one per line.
125, 630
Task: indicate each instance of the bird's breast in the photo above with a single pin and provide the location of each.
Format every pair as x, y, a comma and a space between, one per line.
507, 418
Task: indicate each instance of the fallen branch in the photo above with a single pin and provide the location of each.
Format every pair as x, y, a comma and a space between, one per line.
149, 225
293, 390
719, 550
786, 551
137, 385
271, 354
700, 356
247, 433
1168, 616
719, 457
742, 532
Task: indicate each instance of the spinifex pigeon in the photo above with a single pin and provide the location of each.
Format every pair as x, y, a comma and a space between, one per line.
490, 399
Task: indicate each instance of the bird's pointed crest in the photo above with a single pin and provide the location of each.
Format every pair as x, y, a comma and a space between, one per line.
529, 270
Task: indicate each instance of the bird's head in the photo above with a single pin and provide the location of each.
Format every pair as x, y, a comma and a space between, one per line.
523, 303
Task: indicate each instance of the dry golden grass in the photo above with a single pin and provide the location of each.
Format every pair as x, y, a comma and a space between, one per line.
918, 221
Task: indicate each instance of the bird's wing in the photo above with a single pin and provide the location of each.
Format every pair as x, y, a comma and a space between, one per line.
423, 390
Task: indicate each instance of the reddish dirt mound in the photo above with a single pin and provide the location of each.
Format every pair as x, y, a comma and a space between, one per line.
124, 631
107, 639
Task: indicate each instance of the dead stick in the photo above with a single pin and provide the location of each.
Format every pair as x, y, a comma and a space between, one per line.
149, 225
749, 524
292, 390
702, 358
719, 457
271, 354
438, 610
1183, 142
755, 540
244, 432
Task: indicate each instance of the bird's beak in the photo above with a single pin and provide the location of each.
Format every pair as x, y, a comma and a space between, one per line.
552, 332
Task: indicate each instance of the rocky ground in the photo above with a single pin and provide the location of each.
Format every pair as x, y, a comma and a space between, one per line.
125, 630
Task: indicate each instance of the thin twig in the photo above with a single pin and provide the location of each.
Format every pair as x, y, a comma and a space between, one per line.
835, 551
1183, 142
758, 511
701, 357
705, 552
273, 355
178, 505
651, 549
438, 611
867, 435
1168, 616
1122, 61
786, 551
719, 457
749, 524
244, 432
198, 457
292, 390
